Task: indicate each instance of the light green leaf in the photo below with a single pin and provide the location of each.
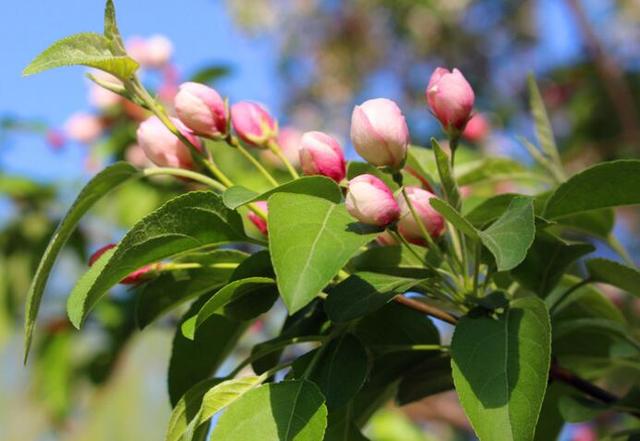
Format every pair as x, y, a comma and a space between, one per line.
355, 168
101, 184
308, 253
604, 185
616, 274
185, 223
287, 411
489, 169
87, 49
259, 292
454, 216
449, 185
510, 237
318, 186
500, 369
187, 408
111, 30
544, 132
173, 288
489, 210
364, 292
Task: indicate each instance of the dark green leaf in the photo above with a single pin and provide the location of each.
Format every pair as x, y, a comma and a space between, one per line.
604, 185
257, 293
393, 260
597, 222
363, 293
171, 289
612, 328
500, 369
104, 182
550, 422
577, 409
185, 223
308, 253
318, 186
453, 216
490, 210
428, 378
510, 237
195, 360
88, 49
287, 411
449, 185
340, 427
616, 274
547, 260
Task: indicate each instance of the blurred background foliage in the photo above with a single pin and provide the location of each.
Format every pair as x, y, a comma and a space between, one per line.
108, 381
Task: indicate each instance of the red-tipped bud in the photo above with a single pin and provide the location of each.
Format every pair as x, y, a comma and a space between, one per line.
450, 98
201, 109
132, 279
320, 154
371, 202
477, 128
258, 221
431, 219
162, 147
253, 124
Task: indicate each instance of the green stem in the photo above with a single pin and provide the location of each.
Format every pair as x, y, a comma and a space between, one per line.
616, 246
235, 143
398, 348
183, 173
423, 229
275, 148
476, 266
566, 294
172, 266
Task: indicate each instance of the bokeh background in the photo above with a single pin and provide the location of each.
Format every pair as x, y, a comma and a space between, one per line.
309, 61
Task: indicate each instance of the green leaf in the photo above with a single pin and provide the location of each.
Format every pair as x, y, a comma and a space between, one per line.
544, 132
500, 369
490, 209
185, 223
550, 422
355, 168
393, 260
111, 30
430, 377
259, 293
604, 185
287, 411
454, 216
449, 185
599, 223
318, 186
341, 370
87, 49
547, 260
616, 274
340, 427
186, 409
363, 293
195, 360
612, 328
577, 409
173, 288
489, 169
220, 397
101, 184
308, 253
510, 237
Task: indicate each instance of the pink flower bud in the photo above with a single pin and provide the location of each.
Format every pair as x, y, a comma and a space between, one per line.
385, 239
162, 147
153, 52
379, 133
83, 127
371, 202
320, 154
477, 128
201, 109
102, 98
432, 220
289, 142
253, 124
133, 278
135, 155
256, 220
450, 98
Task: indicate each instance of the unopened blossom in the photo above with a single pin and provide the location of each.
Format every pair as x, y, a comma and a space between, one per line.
321, 154
259, 222
83, 127
253, 123
153, 52
289, 142
201, 109
450, 98
379, 133
162, 147
477, 128
433, 221
371, 202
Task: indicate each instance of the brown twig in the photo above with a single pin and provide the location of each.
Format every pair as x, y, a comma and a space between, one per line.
426, 309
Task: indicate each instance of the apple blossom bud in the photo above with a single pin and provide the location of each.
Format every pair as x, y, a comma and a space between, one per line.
320, 154
253, 124
100, 97
379, 133
450, 98
153, 52
162, 147
371, 202
256, 220
385, 239
135, 155
83, 127
289, 142
432, 220
133, 278
201, 109
477, 128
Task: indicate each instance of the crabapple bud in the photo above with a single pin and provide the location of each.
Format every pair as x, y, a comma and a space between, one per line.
153, 52
477, 128
320, 154
253, 124
201, 109
379, 133
371, 202
133, 278
258, 221
162, 147
431, 219
289, 142
450, 98
83, 127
